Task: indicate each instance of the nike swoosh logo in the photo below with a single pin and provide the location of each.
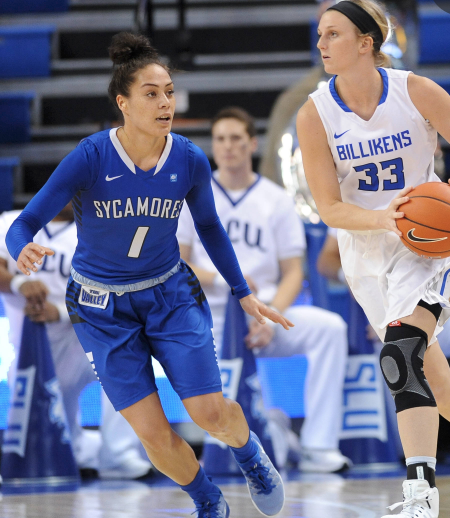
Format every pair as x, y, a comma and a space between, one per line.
416, 239
108, 179
339, 136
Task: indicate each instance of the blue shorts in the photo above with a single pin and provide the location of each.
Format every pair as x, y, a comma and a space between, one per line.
170, 321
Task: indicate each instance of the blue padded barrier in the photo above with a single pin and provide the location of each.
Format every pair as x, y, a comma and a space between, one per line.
434, 37
25, 51
33, 6
315, 238
444, 82
7, 166
15, 117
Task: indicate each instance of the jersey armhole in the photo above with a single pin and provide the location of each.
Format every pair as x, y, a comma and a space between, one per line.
323, 119
409, 100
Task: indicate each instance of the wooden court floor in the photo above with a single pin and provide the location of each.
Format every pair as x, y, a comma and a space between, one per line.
324, 497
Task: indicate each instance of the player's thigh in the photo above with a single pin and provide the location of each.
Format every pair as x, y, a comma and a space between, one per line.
116, 346
313, 326
182, 339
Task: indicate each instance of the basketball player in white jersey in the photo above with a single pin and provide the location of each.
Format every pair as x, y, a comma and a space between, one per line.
367, 138
42, 297
269, 241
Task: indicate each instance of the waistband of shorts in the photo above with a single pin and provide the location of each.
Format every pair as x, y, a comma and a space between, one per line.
124, 288
368, 232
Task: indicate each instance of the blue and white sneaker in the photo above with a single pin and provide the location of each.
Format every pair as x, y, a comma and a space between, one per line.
214, 507
264, 482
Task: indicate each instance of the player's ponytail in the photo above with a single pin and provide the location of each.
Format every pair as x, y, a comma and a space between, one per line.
129, 54
378, 14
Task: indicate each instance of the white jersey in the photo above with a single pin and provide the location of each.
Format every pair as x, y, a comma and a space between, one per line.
263, 227
60, 236
374, 159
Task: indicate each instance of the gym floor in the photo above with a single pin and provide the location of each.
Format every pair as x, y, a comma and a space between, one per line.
360, 494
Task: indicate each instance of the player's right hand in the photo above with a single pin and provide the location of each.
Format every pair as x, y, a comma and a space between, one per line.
35, 292
388, 217
255, 308
32, 253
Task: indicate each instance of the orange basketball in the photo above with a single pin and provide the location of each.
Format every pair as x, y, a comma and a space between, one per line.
426, 225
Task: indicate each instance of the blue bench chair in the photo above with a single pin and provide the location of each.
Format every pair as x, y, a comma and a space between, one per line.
7, 167
25, 51
434, 37
33, 6
15, 117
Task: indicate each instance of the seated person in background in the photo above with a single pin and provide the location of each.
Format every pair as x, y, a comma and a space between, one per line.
268, 238
41, 297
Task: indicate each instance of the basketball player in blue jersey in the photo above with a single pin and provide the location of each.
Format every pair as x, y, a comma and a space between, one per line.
367, 137
130, 297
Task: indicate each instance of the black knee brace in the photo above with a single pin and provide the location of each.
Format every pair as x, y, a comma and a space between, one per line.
401, 362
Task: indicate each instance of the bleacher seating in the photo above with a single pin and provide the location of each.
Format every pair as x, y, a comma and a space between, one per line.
7, 168
434, 37
33, 6
25, 51
15, 117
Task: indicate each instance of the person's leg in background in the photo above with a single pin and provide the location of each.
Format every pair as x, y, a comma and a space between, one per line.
115, 451
120, 456
322, 336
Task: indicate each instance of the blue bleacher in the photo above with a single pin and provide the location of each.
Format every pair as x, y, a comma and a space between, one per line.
15, 119
7, 167
434, 37
33, 6
25, 51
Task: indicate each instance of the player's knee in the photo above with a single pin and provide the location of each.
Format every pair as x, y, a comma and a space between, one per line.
214, 417
401, 362
157, 441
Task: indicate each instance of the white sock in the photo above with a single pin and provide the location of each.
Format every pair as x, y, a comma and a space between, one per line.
431, 461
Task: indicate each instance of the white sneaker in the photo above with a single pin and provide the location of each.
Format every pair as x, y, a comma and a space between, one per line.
130, 469
323, 461
419, 499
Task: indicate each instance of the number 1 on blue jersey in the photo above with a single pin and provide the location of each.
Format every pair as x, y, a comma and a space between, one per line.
138, 242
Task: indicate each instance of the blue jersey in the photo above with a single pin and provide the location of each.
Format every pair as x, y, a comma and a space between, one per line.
126, 217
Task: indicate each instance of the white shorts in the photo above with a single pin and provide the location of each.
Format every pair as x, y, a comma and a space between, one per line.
388, 280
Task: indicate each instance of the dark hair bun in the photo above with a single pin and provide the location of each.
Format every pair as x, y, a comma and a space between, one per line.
126, 46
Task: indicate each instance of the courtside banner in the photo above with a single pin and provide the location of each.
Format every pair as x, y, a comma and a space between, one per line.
240, 382
36, 444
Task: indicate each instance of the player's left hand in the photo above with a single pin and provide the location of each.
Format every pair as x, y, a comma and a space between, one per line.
255, 308
259, 336
46, 312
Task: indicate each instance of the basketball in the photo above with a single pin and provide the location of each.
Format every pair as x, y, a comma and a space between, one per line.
426, 225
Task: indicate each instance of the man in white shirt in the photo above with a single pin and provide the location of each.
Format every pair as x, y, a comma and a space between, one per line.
269, 241
41, 297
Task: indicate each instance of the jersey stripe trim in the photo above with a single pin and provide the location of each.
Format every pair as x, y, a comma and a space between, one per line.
121, 152
127, 160
234, 203
124, 288
341, 103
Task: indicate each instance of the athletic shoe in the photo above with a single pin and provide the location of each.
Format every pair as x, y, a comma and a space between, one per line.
419, 499
323, 461
213, 508
264, 482
132, 469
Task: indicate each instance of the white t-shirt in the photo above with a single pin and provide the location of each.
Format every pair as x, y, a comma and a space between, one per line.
263, 227
60, 236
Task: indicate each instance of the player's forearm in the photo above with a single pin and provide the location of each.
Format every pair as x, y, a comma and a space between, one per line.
219, 248
288, 290
348, 216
